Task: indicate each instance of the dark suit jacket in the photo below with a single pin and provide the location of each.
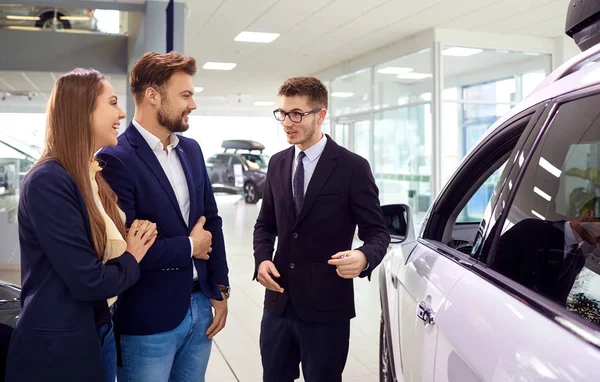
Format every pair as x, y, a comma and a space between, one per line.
341, 194
55, 338
160, 300
532, 253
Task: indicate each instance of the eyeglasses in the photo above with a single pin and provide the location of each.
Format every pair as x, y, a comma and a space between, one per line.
295, 116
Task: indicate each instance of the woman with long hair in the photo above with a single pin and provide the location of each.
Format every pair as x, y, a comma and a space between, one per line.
76, 254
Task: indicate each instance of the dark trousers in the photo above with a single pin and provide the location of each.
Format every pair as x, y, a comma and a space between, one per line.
285, 341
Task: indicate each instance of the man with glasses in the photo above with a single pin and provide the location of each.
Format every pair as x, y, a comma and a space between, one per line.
316, 193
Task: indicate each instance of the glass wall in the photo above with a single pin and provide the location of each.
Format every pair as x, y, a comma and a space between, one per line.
481, 85
351, 94
402, 130
384, 113
403, 156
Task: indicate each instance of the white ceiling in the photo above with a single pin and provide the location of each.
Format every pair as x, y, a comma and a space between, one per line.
315, 35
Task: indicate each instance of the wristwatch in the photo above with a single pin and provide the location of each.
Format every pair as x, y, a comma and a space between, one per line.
225, 289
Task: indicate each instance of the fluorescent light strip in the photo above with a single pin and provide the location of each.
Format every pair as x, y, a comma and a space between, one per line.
342, 94
75, 18
261, 103
198, 89
219, 66
414, 76
23, 18
257, 37
538, 215
550, 168
542, 194
394, 70
461, 52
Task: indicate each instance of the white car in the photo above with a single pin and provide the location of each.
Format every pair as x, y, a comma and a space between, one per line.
516, 295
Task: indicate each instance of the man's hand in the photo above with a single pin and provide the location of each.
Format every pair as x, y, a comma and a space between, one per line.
202, 240
266, 272
220, 317
349, 264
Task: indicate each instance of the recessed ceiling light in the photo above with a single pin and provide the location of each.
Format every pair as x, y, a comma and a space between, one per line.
198, 89
262, 103
259, 37
461, 52
342, 94
75, 18
23, 18
394, 70
414, 76
219, 66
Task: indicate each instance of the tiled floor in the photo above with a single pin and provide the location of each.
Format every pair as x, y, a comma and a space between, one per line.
235, 355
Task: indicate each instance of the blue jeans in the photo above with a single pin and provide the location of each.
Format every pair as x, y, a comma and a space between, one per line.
179, 355
109, 351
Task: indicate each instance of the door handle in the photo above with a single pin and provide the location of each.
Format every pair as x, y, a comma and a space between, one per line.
425, 314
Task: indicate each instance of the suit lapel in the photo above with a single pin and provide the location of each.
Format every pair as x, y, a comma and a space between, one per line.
188, 176
325, 166
147, 155
286, 179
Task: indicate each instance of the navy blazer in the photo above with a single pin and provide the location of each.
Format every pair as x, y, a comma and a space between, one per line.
55, 338
159, 301
341, 195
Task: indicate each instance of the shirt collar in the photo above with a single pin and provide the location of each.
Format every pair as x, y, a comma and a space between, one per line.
152, 140
313, 152
570, 238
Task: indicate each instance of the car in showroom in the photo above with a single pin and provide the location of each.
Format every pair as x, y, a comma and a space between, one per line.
10, 308
49, 18
515, 295
240, 169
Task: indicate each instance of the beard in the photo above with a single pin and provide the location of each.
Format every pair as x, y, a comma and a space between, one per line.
309, 134
173, 124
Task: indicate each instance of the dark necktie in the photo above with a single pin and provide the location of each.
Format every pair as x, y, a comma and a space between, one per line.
299, 184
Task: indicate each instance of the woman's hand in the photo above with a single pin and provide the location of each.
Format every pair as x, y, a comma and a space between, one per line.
140, 237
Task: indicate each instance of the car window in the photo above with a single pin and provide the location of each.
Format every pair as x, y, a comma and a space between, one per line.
473, 211
549, 242
233, 160
256, 161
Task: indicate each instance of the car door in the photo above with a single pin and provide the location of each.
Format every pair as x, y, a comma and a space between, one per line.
425, 278
529, 308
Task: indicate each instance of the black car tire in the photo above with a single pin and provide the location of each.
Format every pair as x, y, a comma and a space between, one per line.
385, 364
251, 193
48, 16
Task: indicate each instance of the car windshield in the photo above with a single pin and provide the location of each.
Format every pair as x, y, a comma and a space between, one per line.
256, 161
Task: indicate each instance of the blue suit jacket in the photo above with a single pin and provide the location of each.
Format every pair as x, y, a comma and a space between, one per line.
55, 338
160, 300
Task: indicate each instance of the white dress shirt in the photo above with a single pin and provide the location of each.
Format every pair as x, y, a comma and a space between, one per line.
171, 165
310, 161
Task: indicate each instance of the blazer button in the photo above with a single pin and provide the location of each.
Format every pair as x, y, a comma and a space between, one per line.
292, 265
295, 235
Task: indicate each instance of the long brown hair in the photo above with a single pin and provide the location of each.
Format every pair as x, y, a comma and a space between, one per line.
70, 142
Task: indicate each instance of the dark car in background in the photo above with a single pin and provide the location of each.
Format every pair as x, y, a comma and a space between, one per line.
240, 169
10, 308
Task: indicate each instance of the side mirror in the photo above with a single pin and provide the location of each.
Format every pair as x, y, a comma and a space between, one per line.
398, 221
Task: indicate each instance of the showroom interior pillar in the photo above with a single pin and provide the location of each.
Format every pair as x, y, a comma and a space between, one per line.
148, 32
